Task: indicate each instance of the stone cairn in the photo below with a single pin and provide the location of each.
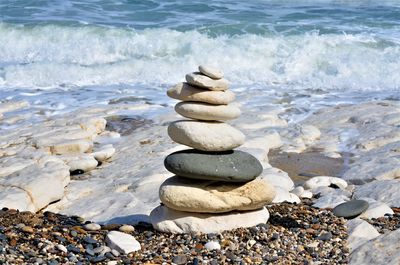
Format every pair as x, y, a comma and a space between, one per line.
215, 188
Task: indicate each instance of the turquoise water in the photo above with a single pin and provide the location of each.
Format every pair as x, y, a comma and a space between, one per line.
82, 48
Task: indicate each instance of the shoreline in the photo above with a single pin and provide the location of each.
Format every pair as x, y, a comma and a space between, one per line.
119, 184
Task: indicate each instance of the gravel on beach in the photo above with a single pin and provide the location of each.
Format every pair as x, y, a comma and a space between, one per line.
294, 234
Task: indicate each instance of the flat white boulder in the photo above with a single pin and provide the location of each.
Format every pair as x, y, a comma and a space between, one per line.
386, 191
211, 72
205, 196
205, 136
43, 181
122, 242
208, 112
324, 181
186, 92
85, 162
283, 195
278, 178
375, 209
16, 198
203, 81
171, 221
103, 153
383, 249
359, 232
330, 197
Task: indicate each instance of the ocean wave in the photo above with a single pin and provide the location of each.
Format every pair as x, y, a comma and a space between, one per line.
50, 56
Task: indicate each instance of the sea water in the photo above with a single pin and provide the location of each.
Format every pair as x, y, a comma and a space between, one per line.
60, 55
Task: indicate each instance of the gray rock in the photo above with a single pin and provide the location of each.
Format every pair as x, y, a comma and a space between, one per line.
231, 166
351, 209
382, 250
180, 259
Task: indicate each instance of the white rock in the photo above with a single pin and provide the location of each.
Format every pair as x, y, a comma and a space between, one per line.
62, 248
306, 194
383, 249
203, 196
69, 146
331, 198
386, 191
200, 80
211, 72
94, 124
298, 191
206, 136
309, 133
206, 111
92, 227
359, 232
44, 182
126, 228
324, 181
104, 153
285, 196
171, 221
212, 245
376, 209
186, 92
85, 162
122, 242
16, 198
278, 178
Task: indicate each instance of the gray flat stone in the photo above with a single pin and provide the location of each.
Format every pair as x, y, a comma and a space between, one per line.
351, 209
230, 166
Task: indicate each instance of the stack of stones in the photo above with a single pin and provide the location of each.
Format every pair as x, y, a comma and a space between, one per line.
215, 188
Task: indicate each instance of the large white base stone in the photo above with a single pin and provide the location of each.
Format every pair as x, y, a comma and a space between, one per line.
171, 221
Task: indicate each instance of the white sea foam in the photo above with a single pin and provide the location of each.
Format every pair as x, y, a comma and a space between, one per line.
50, 56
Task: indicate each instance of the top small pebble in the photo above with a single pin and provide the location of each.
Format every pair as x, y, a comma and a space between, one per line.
211, 72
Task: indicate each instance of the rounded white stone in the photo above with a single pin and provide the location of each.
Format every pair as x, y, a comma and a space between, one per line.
324, 181
92, 227
205, 111
211, 72
122, 242
126, 228
203, 196
212, 245
200, 80
206, 136
171, 221
186, 92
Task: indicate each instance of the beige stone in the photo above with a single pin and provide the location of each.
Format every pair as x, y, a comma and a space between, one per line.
205, 111
211, 72
186, 92
105, 152
85, 162
206, 136
205, 196
200, 80
168, 220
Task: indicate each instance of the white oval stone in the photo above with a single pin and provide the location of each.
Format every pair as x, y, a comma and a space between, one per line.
212, 245
205, 136
92, 227
204, 196
197, 79
122, 242
168, 220
186, 92
126, 228
209, 112
211, 72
